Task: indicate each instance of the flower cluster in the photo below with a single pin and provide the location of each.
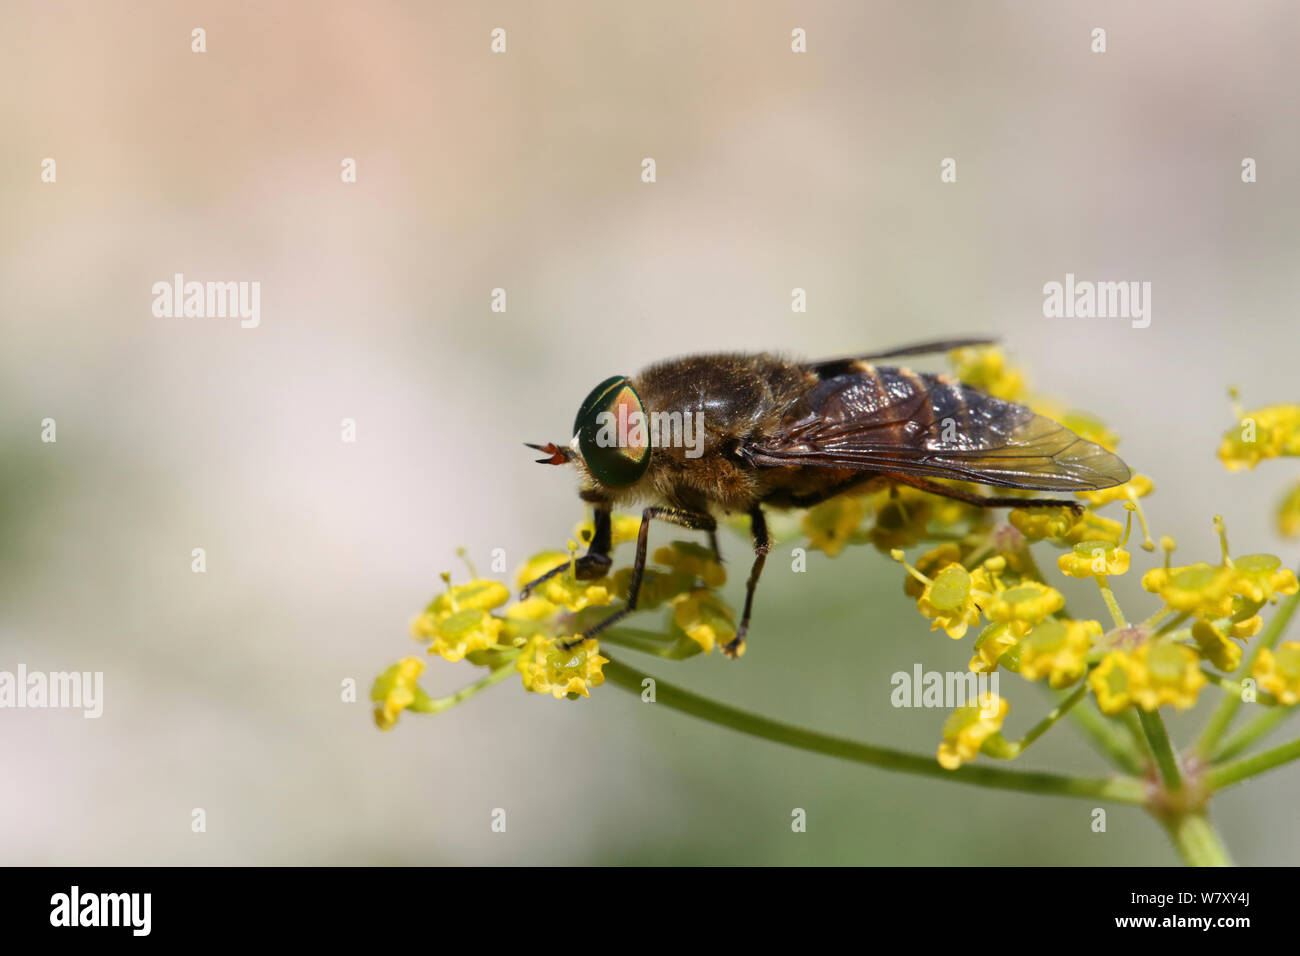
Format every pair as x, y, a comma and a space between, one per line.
1272, 431
972, 576
541, 637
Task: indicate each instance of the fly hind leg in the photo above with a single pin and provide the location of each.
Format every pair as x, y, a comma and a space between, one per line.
697, 521
986, 501
762, 545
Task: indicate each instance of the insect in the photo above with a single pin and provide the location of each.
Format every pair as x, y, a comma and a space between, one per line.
696, 436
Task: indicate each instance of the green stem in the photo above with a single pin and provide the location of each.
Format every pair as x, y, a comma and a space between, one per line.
1173, 624
638, 633
647, 642
1227, 708
1129, 719
1196, 840
437, 705
1255, 730
1120, 745
1153, 726
1157, 617
1232, 686
1227, 775
1007, 750
1118, 789
1190, 830
1111, 604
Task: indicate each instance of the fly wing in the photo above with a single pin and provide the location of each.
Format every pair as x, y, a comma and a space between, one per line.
840, 366
893, 420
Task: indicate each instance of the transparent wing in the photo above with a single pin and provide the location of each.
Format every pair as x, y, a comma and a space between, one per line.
894, 420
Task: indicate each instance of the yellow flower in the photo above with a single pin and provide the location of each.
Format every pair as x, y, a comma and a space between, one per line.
968, 727
1202, 589
985, 367
480, 595
1058, 650
1172, 675
949, 511
1138, 486
993, 647
1115, 680
932, 561
395, 690
1091, 558
1257, 577
547, 668
533, 609
1029, 602
1093, 527
1246, 628
705, 619
625, 528
656, 586
830, 524
458, 621
1288, 514
564, 589
949, 599
621, 527
524, 619
539, 564
1279, 673
698, 562
902, 519
1216, 647
1089, 428
1039, 523
463, 632
424, 627
1263, 433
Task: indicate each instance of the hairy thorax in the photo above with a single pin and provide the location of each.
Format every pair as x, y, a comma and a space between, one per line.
706, 408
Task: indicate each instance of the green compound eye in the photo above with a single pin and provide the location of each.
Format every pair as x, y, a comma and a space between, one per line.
613, 432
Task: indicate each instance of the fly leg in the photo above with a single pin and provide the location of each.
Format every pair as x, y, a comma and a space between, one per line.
713, 543
762, 545
986, 501
697, 521
592, 565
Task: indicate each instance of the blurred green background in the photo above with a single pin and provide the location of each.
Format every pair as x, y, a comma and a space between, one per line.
522, 171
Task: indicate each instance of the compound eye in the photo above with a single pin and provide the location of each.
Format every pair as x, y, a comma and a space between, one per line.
613, 432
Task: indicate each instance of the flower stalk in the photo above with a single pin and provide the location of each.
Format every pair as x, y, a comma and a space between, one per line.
1126, 790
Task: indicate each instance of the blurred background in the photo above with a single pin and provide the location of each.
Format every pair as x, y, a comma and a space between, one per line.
522, 171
